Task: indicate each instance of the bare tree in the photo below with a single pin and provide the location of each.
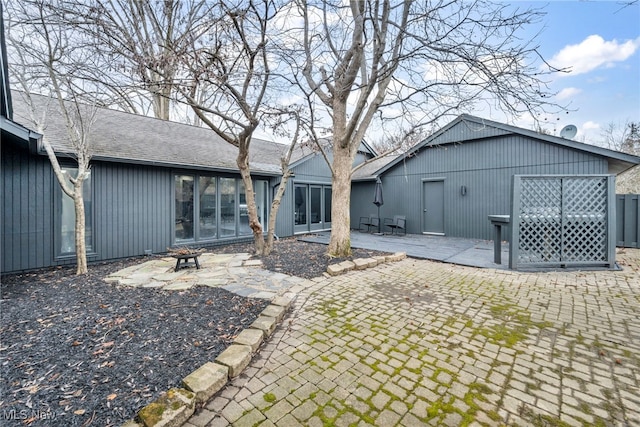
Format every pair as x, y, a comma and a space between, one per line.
130, 57
623, 137
408, 61
400, 140
41, 47
227, 81
138, 41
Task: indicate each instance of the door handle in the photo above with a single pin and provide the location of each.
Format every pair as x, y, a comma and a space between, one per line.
424, 210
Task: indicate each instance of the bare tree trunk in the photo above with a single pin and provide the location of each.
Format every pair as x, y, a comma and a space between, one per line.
81, 248
76, 194
161, 97
340, 242
275, 206
344, 150
252, 210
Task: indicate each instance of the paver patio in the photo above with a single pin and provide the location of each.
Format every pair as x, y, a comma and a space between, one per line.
425, 343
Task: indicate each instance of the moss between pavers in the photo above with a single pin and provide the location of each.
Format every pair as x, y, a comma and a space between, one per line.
515, 325
514, 328
172, 408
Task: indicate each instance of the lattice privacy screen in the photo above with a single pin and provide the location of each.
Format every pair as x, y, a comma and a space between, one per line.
562, 221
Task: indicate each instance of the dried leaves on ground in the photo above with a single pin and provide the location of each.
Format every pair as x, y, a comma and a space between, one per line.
75, 350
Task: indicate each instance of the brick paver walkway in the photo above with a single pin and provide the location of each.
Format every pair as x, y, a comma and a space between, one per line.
422, 343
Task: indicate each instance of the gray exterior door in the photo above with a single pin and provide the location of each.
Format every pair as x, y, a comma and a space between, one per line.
433, 207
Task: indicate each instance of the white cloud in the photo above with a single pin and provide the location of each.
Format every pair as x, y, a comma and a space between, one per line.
568, 92
592, 53
589, 125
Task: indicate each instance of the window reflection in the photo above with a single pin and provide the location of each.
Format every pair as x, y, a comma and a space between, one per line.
300, 205
207, 191
67, 215
227, 207
209, 207
184, 207
243, 212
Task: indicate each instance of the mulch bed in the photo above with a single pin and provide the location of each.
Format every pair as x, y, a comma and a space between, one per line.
75, 350
296, 258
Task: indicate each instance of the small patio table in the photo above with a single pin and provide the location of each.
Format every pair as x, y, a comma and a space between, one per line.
182, 260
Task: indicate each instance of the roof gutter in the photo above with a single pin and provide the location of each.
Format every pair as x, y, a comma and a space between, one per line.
33, 138
157, 163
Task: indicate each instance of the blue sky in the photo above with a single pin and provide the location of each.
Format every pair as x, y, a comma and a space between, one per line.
600, 41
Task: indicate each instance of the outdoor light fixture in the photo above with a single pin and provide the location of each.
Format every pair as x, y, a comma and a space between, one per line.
463, 190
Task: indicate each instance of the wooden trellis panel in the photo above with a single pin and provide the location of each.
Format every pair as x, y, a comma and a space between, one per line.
562, 221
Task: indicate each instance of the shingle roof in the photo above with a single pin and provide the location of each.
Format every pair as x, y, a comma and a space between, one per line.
130, 138
368, 171
308, 149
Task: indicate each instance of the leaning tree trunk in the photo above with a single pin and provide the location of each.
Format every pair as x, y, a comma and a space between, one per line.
273, 213
254, 223
81, 247
340, 242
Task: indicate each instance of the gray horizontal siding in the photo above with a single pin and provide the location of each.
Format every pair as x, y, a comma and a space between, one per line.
484, 167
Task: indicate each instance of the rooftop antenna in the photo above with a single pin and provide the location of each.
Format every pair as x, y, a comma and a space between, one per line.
568, 132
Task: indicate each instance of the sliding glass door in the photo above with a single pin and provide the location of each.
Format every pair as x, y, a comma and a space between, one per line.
301, 219
312, 207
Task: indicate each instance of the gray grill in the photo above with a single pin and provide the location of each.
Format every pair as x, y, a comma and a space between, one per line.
562, 221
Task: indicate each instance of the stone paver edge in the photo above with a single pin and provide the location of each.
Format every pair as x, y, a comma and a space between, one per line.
175, 407
363, 263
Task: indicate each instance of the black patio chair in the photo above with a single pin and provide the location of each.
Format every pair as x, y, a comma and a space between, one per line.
397, 224
369, 222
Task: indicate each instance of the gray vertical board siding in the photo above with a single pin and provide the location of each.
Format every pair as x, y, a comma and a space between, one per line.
284, 220
467, 130
485, 167
314, 169
132, 210
628, 220
27, 208
362, 202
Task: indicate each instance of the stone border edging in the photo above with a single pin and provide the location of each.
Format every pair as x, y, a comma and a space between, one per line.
363, 263
174, 407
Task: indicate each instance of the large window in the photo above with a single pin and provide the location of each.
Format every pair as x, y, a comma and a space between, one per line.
67, 216
208, 201
184, 207
227, 207
208, 207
